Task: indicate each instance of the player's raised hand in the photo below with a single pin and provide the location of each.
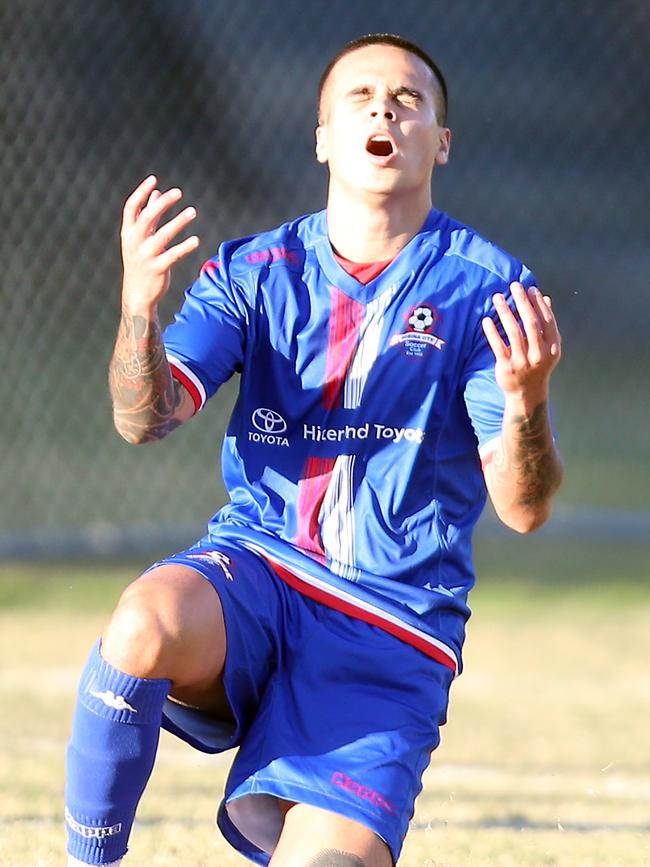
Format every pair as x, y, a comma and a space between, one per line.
524, 364
146, 252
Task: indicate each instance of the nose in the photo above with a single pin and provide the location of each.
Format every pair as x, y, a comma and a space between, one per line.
382, 105
384, 111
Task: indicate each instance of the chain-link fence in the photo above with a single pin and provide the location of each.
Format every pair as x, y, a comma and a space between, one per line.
548, 107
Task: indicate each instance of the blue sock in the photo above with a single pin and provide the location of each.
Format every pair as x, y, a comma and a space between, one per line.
110, 757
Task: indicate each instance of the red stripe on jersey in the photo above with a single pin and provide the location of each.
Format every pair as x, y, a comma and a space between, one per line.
189, 385
346, 317
374, 618
311, 492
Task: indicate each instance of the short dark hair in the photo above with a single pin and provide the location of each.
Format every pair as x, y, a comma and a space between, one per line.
397, 42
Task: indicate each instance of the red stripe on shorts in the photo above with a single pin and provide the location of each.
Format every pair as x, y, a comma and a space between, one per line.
374, 618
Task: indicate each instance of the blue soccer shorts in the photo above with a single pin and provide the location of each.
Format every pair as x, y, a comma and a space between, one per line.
329, 711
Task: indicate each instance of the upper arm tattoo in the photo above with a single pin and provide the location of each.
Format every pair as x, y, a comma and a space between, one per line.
145, 396
335, 858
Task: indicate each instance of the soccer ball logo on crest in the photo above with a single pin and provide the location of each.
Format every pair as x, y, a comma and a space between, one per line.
421, 318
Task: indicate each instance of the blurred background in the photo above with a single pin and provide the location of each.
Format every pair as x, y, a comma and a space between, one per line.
549, 113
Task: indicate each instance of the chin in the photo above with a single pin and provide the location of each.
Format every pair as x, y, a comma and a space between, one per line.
377, 185
391, 187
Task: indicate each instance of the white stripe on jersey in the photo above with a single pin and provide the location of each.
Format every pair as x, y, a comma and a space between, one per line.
367, 349
337, 529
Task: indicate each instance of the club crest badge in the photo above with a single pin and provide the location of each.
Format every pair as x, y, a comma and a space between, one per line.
418, 338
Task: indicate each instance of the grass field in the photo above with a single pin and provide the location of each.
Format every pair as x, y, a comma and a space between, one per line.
545, 760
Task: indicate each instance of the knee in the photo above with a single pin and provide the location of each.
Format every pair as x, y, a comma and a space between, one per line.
137, 639
166, 626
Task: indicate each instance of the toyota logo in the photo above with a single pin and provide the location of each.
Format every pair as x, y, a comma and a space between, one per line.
268, 421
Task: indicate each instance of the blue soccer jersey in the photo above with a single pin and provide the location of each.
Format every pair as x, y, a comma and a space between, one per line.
352, 458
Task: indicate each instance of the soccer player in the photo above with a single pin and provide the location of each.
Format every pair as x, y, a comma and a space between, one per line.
394, 367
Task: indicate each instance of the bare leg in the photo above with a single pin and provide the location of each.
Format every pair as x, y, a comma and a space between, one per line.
312, 837
169, 624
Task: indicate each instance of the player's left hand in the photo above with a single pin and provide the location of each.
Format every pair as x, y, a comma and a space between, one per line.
524, 364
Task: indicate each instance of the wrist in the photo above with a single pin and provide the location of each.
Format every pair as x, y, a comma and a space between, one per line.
140, 296
138, 307
526, 402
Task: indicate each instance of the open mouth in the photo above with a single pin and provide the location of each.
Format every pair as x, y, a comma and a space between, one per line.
380, 146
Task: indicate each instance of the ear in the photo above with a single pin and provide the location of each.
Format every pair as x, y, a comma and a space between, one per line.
321, 143
444, 145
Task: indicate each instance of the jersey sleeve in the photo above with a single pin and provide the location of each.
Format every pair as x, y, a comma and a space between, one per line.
484, 399
205, 343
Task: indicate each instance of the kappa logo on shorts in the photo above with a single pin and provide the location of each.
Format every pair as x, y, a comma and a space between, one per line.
345, 782
216, 558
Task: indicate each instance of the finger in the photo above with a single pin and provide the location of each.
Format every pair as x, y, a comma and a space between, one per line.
179, 251
497, 345
543, 311
533, 327
556, 345
137, 199
170, 230
155, 194
550, 329
150, 216
511, 327
554, 337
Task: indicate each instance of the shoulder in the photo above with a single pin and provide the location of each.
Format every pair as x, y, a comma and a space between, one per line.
461, 249
285, 246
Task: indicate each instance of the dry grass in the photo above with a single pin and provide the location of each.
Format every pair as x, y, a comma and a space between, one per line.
544, 761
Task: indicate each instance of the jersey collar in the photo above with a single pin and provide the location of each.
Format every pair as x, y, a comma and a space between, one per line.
398, 269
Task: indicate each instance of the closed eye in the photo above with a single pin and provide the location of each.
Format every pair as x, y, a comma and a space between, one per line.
360, 93
407, 96
404, 95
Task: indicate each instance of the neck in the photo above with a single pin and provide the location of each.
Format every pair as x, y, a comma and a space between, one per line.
374, 229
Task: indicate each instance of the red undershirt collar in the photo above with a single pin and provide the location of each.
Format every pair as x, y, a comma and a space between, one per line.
364, 272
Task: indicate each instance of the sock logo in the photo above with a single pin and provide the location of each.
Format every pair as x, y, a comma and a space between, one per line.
88, 831
117, 702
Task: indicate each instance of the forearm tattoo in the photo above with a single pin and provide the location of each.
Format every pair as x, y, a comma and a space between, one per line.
528, 452
335, 858
145, 395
